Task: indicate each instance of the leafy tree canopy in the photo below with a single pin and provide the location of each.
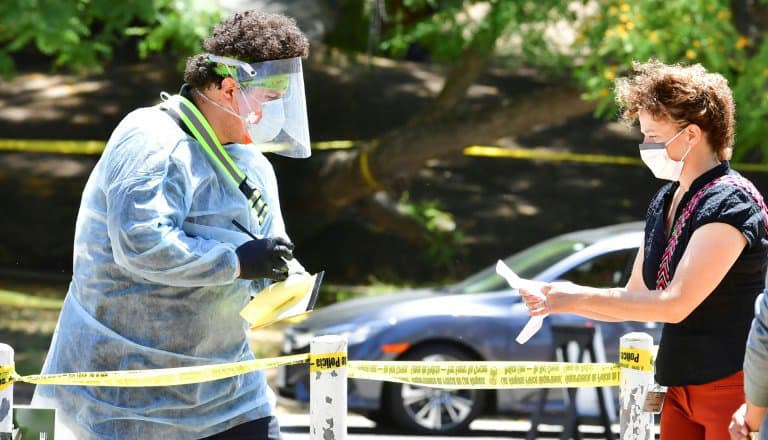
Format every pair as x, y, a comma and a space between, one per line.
592, 41
82, 34
596, 41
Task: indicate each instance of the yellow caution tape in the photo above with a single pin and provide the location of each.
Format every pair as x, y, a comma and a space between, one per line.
522, 153
636, 359
52, 146
327, 362
6, 376
365, 169
443, 374
488, 375
17, 299
335, 145
97, 147
162, 376
562, 156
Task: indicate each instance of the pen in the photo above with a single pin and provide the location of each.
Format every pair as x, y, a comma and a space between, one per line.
242, 228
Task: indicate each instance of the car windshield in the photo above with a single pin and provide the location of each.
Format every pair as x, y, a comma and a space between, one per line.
527, 264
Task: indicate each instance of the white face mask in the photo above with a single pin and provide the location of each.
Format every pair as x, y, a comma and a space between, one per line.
272, 121
655, 156
260, 129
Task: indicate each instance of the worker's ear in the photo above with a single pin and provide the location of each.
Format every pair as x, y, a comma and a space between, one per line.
228, 88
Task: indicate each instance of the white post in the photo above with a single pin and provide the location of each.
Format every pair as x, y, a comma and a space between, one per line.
636, 363
328, 388
6, 392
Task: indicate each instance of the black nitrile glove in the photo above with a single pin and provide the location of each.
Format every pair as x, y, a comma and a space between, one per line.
265, 258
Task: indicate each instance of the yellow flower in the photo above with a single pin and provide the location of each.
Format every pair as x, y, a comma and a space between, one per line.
621, 31
653, 37
603, 92
724, 15
613, 10
690, 54
630, 25
623, 18
610, 73
696, 43
742, 42
624, 7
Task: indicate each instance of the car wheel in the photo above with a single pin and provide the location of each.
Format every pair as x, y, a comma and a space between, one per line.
433, 410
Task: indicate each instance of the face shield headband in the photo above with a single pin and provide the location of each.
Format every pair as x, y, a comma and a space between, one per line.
271, 103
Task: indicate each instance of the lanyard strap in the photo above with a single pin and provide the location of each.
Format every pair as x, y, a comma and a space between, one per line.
202, 131
664, 275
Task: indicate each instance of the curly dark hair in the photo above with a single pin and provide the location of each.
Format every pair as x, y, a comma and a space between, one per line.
682, 95
248, 36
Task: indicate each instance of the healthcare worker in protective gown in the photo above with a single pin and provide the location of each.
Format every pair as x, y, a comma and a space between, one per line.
160, 269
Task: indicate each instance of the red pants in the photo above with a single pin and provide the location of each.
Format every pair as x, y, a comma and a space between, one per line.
694, 412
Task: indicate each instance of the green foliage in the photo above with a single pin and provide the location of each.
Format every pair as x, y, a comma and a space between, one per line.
608, 34
352, 29
333, 293
82, 34
685, 31
443, 236
511, 29
752, 105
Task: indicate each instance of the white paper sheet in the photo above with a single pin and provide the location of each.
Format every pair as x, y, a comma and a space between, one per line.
534, 324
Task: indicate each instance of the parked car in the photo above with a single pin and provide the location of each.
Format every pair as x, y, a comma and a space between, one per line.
475, 319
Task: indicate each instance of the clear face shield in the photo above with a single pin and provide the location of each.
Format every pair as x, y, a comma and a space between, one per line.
271, 103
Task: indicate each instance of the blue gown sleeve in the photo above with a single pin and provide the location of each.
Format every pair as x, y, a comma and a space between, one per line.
144, 215
756, 357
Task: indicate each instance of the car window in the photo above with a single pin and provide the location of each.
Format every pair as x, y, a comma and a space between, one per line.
607, 270
527, 264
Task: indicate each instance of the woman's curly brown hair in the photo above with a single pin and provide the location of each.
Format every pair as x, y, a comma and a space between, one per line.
682, 95
248, 36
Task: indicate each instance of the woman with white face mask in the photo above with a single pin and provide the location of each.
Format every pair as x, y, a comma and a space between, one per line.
703, 259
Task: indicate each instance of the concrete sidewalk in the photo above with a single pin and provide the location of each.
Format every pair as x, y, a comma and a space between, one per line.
295, 425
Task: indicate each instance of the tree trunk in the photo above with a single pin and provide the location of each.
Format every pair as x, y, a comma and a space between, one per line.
332, 181
750, 18
402, 152
460, 78
335, 181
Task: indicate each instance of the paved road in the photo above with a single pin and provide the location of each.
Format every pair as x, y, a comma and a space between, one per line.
295, 426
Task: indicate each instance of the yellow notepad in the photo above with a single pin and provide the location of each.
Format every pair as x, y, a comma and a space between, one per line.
282, 300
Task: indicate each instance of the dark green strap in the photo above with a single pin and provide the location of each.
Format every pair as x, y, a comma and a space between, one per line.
202, 131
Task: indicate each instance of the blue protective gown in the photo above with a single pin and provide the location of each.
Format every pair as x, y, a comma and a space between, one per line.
154, 286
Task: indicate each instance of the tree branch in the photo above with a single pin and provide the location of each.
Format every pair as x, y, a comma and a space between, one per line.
402, 152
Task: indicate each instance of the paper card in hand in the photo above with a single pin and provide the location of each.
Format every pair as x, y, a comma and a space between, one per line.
295, 296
